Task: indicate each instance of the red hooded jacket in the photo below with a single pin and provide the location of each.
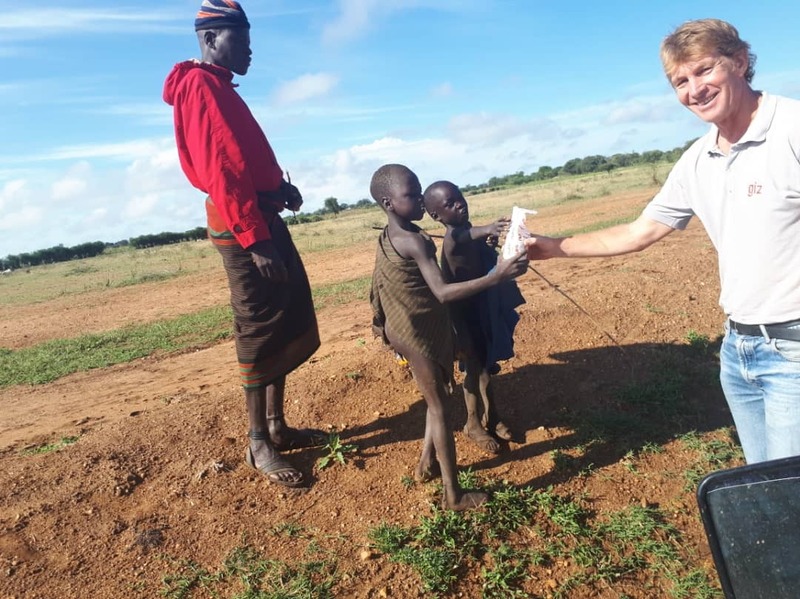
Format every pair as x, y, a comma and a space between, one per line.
221, 146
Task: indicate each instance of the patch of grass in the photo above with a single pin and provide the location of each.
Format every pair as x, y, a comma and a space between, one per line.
80, 269
246, 574
51, 360
521, 530
48, 361
654, 309
407, 481
712, 454
692, 585
345, 292
697, 340
116, 267
190, 576
508, 569
336, 452
50, 447
150, 277
562, 461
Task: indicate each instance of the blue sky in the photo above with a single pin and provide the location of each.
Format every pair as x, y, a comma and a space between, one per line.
461, 90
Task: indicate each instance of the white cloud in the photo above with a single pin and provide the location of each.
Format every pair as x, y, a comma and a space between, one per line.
25, 218
153, 113
646, 109
356, 16
21, 23
125, 150
490, 129
73, 185
97, 216
443, 90
305, 87
11, 193
352, 20
141, 206
157, 171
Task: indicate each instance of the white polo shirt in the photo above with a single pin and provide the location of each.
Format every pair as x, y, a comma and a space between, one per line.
749, 203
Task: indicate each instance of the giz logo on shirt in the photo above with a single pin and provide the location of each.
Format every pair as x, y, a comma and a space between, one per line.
754, 189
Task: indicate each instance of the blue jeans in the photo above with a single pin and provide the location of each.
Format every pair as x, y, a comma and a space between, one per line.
761, 382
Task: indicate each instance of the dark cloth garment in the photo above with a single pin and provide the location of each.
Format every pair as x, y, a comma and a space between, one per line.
274, 323
485, 322
403, 303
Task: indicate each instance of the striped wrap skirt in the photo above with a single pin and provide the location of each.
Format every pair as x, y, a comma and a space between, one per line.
274, 324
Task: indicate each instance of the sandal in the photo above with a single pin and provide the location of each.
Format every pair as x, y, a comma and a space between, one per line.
273, 467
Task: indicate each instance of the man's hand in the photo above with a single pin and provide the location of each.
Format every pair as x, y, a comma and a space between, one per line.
511, 268
540, 247
268, 261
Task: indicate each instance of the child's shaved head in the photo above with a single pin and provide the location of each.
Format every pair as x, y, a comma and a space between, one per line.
385, 179
435, 192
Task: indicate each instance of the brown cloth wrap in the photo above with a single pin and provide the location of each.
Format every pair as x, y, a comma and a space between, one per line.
274, 324
402, 302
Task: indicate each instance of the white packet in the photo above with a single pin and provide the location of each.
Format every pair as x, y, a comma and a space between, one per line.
517, 232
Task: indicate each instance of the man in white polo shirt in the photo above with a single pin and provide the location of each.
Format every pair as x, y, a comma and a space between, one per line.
742, 179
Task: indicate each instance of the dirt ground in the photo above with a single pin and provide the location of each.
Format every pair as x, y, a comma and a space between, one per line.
158, 469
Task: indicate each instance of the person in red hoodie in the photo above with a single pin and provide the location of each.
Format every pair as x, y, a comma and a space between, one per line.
225, 154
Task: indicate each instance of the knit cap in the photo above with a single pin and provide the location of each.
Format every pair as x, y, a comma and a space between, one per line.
218, 14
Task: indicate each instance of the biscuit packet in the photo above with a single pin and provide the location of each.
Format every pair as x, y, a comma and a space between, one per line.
517, 232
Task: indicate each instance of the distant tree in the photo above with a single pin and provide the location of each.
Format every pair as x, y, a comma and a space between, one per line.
573, 167
652, 156
622, 160
332, 205
364, 203
196, 233
545, 172
594, 164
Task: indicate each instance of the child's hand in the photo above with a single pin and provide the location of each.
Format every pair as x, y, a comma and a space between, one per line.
511, 268
496, 229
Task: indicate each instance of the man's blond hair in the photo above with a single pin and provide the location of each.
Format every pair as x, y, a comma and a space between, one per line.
696, 39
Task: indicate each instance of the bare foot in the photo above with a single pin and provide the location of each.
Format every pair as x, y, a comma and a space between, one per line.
481, 438
468, 500
425, 472
503, 432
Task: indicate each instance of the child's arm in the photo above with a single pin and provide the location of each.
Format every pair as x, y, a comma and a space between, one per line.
413, 246
491, 231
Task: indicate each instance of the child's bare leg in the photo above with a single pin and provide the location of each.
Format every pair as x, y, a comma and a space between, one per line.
428, 467
430, 381
491, 420
474, 428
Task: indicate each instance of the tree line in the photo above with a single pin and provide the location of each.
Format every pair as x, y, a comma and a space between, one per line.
331, 205
60, 253
579, 166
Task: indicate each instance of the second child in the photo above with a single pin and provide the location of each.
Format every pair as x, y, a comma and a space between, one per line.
484, 323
